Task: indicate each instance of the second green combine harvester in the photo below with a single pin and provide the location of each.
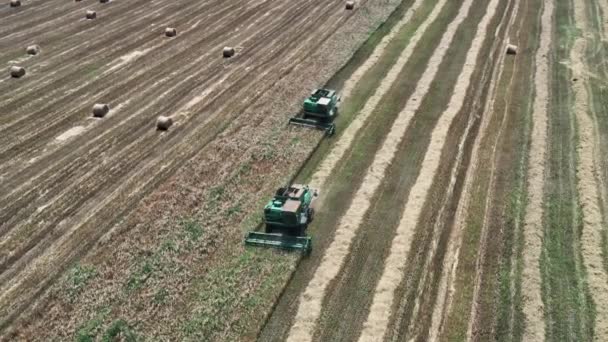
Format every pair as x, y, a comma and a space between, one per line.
288, 214
286, 218
319, 111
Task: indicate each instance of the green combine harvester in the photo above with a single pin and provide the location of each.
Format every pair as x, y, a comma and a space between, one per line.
319, 111
286, 218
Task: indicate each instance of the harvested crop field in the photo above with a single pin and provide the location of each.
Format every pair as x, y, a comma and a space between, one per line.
463, 195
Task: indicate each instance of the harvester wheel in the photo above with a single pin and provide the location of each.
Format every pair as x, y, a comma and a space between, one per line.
311, 214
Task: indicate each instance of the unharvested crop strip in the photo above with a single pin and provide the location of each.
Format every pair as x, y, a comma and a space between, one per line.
588, 187
378, 319
533, 220
446, 285
311, 301
490, 195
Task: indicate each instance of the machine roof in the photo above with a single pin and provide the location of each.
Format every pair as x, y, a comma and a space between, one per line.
291, 206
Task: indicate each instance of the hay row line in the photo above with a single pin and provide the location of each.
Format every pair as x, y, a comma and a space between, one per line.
338, 150
533, 221
378, 318
333, 259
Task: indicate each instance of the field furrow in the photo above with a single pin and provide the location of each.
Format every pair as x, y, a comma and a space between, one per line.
463, 196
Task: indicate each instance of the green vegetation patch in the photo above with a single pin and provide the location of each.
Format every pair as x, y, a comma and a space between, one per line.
229, 296
568, 305
78, 277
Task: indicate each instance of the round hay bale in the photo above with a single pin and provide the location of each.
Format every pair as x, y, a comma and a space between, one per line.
511, 49
17, 71
228, 52
90, 15
33, 50
163, 123
350, 5
170, 32
15, 3
100, 110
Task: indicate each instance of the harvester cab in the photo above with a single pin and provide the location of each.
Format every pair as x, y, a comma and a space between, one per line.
319, 111
286, 218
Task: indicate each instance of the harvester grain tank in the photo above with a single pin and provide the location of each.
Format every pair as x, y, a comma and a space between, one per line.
319, 111
286, 218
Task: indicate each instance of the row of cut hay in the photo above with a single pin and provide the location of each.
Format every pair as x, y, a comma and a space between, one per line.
533, 221
380, 311
311, 300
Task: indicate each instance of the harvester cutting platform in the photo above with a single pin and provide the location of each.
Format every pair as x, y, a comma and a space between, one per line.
286, 218
319, 111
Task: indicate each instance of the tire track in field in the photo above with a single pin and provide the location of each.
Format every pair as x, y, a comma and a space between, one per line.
80, 46
533, 306
142, 128
141, 181
311, 300
433, 328
56, 175
485, 229
118, 96
90, 174
31, 15
33, 113
339, 149
137, 85
587, 173
446, 287
378, 319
